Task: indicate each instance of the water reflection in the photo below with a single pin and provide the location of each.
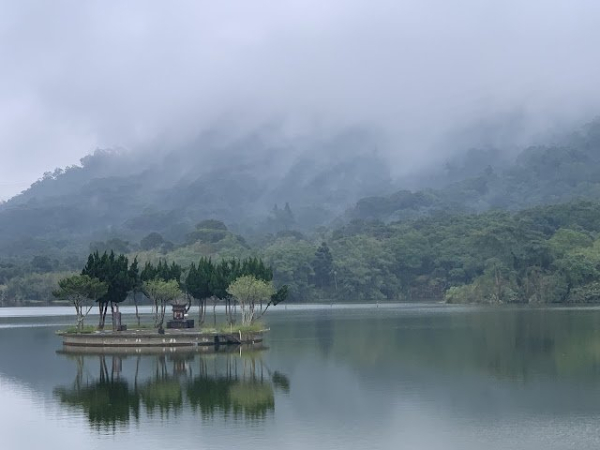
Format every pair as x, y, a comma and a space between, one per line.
113, 390
430, 377
515, 345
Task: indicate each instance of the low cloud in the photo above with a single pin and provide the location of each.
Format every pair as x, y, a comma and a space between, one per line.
428, 75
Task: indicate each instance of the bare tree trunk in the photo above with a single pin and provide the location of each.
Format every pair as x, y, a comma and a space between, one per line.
79, 310
113, 316
215, 311
104, 310
161, 314
156, 309
202, 311
232, 311
137, 314
245, 310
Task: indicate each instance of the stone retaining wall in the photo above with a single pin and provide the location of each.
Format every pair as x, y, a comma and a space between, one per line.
154, 339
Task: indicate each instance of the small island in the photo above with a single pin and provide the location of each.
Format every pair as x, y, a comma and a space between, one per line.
171, 338
244, 287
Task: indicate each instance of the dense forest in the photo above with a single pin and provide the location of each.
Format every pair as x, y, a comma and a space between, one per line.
131, 194
521, 231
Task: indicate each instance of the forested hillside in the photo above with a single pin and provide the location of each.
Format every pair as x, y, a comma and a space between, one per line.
243, 182
525, 232
566, 170
543, 254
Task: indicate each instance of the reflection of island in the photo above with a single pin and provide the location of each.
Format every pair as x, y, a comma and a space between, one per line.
238, 385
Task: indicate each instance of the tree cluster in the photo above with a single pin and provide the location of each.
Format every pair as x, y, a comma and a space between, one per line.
162, 283
207, 280
114, 271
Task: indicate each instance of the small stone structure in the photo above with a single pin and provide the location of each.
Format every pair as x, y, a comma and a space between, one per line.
179, 321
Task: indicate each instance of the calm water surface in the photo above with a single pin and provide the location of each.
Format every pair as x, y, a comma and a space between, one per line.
393, 377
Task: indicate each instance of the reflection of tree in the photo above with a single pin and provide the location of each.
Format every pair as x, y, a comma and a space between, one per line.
280, 381
243, 388
163, 391
227, 385
107, 402
325, 329
514, 344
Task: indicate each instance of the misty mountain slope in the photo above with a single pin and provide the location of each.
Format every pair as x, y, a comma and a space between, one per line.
128, 194
240, 179
567, 170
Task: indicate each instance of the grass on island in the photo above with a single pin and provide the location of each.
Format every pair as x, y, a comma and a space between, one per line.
87, 329
235, 328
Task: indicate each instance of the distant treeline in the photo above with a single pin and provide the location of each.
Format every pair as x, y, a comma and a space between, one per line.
542, 254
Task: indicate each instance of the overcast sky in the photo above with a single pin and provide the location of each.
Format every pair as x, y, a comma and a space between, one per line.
76, 75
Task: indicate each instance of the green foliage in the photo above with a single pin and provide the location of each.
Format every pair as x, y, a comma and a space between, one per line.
161, 292
223, 274
211, 224
86, 329
114, 271
197, 282
109, 196
565, 239
251, 293
364, 269
280, 296
255, 327
323, 266
281, 219
29, 287
80, 287
134, 275
81, 290
408, 245
42, 263
209, 231
152, 241
161, 271
115, 245
292, 260
250, 289
542, 254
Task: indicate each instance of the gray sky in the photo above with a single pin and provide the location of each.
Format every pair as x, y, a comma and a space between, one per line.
79, 75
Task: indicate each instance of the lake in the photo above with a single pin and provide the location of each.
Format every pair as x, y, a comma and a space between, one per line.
333, 377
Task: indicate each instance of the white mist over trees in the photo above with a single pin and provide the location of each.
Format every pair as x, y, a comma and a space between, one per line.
428, 76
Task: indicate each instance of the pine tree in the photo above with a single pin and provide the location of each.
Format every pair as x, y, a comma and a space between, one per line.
114, 271
136, 285
197, 284
323, 266
287, 217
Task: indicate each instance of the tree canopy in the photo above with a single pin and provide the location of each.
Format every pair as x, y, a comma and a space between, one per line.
251, 294
82, 291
